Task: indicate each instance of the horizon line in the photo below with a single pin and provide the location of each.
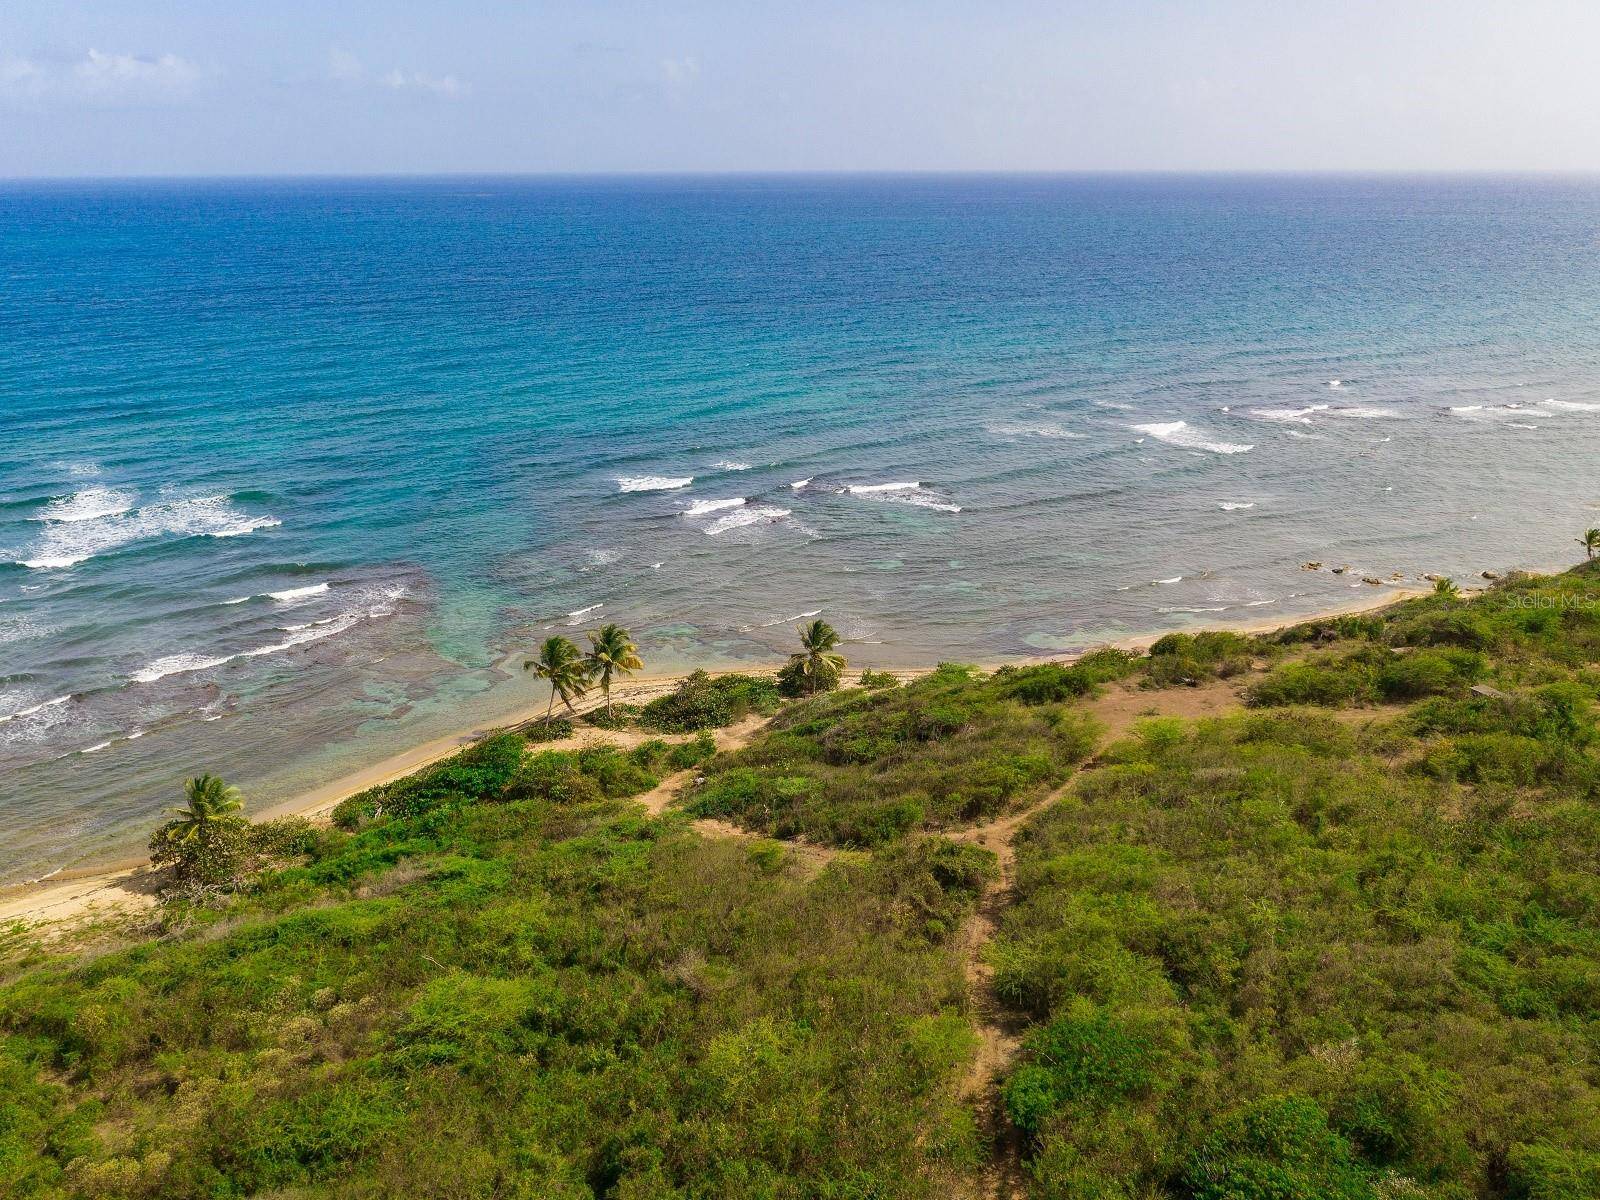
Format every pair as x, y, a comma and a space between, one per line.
835, 173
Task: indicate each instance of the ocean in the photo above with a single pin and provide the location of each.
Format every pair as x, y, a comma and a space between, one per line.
293, 474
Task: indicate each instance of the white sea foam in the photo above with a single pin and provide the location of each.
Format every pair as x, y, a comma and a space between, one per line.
903, 492
757, 514
800, 483
1178, 433
575, 617
286, 598
1356, 412
292, 595
1179, 608
870, 489
87, 505
1174, 579
1235, 505
32, 708
1043, 429
783, 620
699, 508
244, 527
19, 629
923, 500
94, 749
370, 604
1333, 383
726, 465
1572, 405
1301, 416
653, 483
177, 664
65, 543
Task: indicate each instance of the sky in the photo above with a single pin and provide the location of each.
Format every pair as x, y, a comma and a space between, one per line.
219, 87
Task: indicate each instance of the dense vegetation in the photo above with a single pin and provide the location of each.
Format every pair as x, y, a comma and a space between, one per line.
1292, 954
863, 767
1341, 942
508, 983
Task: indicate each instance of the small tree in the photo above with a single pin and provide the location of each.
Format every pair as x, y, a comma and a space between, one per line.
1446, 589
562, 665
207, 840
817, 662
611, 652
1590, 541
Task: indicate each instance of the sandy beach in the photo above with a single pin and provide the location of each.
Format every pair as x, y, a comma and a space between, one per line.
127, 885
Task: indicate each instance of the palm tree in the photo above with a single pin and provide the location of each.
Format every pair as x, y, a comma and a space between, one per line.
210, 803
1590, 541
816, 659
611, 652
562, 664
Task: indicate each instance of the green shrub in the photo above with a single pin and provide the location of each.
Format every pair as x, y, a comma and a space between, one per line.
218, 855
283, 838
557, 730
794, 681
1280, 1148
1048, 683
691, 754
616, 716
1299, 683
703, 702
1542, 1172
1109, 664
1429, 673
862, 768
482, 771
1091, 1059
877, 681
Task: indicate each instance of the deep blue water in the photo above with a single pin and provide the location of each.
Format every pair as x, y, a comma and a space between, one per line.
431, 395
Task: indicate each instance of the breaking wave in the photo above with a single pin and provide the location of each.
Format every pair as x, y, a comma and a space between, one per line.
1179, 433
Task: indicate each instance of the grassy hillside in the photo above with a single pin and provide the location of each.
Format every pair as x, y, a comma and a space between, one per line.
1350, 951
1342, 941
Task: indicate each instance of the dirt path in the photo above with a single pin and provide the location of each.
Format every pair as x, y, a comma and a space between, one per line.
999, 1034
658, 798
75, 899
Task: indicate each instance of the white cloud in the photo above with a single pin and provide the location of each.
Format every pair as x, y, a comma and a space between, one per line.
680, 72
101, 77
102, 73
439, 85
345, 68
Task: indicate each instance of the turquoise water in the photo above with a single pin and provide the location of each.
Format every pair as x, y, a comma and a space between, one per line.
291, 471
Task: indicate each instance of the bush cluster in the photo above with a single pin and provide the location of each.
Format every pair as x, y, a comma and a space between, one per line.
865, 768
702, 701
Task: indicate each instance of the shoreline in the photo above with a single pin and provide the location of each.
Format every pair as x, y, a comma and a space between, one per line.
73, 892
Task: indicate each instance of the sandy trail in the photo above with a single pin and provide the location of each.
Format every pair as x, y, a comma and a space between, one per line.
999, 1034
